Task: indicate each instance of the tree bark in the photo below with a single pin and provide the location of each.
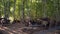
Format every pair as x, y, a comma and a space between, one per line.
44, 8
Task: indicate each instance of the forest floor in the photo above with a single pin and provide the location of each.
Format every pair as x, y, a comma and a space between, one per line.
18, 28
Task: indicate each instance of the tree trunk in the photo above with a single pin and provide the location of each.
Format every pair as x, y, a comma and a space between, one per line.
8, 8
5, 9
22, 11
44, 8
14, 9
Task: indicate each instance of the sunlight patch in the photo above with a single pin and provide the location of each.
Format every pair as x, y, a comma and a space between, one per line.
11, 9
11, 18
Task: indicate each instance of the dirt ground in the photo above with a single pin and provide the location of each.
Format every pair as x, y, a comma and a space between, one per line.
18, 28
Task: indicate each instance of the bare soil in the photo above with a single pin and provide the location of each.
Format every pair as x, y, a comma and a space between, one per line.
19, 28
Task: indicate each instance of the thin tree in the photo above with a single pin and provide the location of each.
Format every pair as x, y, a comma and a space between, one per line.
57, 12
14, 9
44, 8
8, 8
23, 1
0, 10
4, 8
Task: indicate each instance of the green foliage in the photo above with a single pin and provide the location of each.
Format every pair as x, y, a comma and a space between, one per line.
31, 8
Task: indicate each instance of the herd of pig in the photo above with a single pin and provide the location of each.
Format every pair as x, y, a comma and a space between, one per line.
45, 22
4, 21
